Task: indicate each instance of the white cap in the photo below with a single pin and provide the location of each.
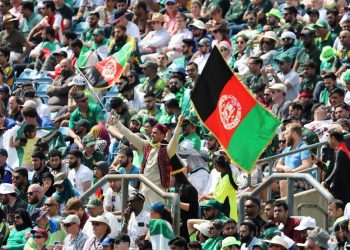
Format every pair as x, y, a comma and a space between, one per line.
77, 81
29, 104
278, 240
279, 86
288, 34
199, 24
7, 188
306, 222
203, 228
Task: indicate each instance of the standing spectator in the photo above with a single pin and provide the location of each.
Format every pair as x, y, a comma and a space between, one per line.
156, 170
113, 198
136, 219
65, 11
23, 224
125, 157
79, 175
336, 181
29, 18
76, 238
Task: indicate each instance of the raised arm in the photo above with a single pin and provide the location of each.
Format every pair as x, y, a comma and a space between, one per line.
174, 141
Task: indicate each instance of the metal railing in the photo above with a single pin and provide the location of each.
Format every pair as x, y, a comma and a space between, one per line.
290, 177
125, 182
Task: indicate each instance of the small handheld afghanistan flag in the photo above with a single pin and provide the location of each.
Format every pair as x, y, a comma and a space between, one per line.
106, 72
242, 126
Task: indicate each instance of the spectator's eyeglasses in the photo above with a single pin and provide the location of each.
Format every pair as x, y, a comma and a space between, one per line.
38, 236
281, 141
49, 204
223, 49
240, 42
67, 225
96, 224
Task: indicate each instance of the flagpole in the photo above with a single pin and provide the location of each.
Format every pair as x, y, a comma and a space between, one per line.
93, 91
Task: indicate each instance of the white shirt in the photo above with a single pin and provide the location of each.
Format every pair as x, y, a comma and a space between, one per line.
42, 109
201, 61
112, 221
114, 200
133, 31
77, 178
137, 226
138, 103
347, 98
292, 78
157, 39
176, 40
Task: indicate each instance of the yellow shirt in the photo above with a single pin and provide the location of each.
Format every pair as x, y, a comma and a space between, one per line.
225, 190
28, 149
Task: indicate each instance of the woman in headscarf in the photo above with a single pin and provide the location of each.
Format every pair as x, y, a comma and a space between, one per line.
23, 224
64, 190
103, 140
239, 59
47, 185
226, 50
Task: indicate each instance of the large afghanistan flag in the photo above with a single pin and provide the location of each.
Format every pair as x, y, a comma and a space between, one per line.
106, 72
242, 126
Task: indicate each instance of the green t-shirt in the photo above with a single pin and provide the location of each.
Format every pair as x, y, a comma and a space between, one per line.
212, 243
58, 235
94, 115
96, 157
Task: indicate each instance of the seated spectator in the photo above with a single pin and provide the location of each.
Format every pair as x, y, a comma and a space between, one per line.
252, 211
39, 167
36, 197
335, 211
100, 169
100, 230
317, 238
64, 190
247, 234
75, 206
90, 155
22, 225
52, 207
306, 224
75, 237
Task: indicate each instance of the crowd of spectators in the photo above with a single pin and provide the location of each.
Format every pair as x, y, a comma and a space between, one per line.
59, 136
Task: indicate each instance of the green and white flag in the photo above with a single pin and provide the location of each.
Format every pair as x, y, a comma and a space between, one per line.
161, 233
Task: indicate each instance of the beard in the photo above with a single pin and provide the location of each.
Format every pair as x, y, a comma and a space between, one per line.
123, 164
73, 165
65, 73
290, 141
173, 89
35, 200
245, 239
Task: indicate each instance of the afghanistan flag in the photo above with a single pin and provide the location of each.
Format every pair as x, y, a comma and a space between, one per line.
104, 73
242, 126
161, 233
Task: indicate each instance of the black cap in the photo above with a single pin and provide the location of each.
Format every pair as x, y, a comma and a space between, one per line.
313, 12
3, 152
118, 14
103, 166
189, 42
290, 118
38, 154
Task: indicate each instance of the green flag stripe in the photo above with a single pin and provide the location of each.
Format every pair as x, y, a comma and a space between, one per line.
253, 134
159, 227
122, 56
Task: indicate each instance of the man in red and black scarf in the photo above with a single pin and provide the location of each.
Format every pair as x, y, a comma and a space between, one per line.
156, 154
337, 181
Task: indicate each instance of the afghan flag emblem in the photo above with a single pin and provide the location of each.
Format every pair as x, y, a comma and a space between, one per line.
242, 126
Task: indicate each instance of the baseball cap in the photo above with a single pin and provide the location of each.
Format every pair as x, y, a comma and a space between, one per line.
103, 166
88, 140
270, 233
198, 24
94, 202
83, 122
77, 81
305, 223
158, 207
41, 231
37, 214
321, 24
28, 104
167, 1
278, 240
274, 12
327, 53
192, 119
313, 12
7, 188
279, 86
203, 228
149, 64
283, 58
211, 203
3, 152
72, 218
60, 52
98, 31
230, 241
204, 41
291, 118
136, 118
306, 93
59, 179
288, 34
177, 70
108, 241
119, 13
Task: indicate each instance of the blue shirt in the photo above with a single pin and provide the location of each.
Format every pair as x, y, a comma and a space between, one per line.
295, 160
134, 170
9, 123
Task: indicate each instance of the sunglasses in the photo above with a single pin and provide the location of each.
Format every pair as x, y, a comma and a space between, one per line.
170, 3
96, 224
285, 39
31, 193
240, 42
67, 225
282, 141
49, 205
38, 237
223, 49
